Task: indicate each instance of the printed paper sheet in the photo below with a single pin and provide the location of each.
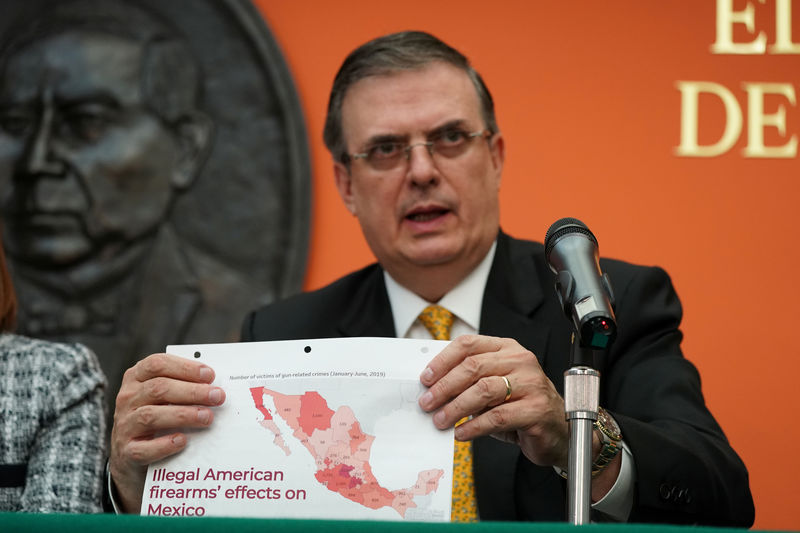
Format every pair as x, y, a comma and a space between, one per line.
323, 428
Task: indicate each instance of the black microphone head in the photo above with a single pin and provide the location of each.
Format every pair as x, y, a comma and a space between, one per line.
583, 290
561, 227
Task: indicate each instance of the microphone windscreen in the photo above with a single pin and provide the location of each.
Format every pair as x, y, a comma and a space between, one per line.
561, 227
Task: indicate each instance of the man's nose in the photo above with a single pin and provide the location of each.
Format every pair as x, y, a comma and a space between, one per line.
421, 164
38, 158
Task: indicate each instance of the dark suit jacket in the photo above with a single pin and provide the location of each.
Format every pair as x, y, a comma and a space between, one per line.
686, 472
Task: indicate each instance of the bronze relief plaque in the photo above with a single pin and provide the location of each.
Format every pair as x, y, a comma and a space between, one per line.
154, 172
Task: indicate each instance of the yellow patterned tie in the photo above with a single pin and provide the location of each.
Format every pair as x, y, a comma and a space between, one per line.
438, 321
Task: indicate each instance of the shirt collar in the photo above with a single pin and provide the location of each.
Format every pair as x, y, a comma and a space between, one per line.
464, 300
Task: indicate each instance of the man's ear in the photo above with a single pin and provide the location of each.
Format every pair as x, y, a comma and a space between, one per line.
497, 150
344, 184
194, 132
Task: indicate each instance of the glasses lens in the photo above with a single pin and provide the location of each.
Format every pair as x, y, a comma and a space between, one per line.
385, 156
451, 143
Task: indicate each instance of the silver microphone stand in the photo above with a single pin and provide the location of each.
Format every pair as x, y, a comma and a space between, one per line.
581, 397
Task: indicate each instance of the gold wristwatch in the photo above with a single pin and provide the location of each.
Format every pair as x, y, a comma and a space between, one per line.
610, 438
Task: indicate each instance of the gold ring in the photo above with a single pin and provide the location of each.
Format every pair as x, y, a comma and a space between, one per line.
508, 388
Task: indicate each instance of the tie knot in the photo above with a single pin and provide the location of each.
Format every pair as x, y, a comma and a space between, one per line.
437, 320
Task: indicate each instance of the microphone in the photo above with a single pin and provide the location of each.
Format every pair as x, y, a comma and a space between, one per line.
583, 290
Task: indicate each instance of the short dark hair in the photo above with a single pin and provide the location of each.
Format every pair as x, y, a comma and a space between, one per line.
406, 50
170, 75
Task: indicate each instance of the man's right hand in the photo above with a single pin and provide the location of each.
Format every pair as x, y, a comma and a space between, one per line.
161, 394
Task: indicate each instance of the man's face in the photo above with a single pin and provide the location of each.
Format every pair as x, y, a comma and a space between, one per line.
83, 165
430, 209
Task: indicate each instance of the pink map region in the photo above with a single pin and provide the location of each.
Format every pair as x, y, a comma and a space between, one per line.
258, 399
268, 422
314, 413
340, 450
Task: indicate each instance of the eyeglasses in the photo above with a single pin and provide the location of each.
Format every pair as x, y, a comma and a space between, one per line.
450, 143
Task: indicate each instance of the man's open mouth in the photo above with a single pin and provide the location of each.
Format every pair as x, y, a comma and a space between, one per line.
427, 215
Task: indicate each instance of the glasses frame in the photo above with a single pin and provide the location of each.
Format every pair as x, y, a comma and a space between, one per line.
485, 132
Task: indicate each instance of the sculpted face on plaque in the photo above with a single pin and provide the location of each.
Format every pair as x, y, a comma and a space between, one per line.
89, 170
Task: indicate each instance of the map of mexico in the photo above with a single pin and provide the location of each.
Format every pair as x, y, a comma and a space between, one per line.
340, 449
311, 429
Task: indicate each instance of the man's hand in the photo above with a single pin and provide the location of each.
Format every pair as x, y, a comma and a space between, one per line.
160, 394
466, 379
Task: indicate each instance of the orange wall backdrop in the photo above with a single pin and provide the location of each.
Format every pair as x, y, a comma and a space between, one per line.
589, 100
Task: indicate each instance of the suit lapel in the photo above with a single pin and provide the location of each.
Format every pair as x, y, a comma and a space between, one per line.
369, 313
513, 295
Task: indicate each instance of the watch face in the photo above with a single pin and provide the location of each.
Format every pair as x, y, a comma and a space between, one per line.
608, 424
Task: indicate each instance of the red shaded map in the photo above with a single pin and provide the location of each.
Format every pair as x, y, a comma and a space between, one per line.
339, 448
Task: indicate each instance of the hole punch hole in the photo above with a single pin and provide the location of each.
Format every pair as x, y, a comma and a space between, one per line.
197, 355
307, 349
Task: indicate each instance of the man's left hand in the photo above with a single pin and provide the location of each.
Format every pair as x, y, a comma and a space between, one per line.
466, 379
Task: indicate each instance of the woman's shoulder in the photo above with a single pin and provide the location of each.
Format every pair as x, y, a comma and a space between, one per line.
22, 346
46, 356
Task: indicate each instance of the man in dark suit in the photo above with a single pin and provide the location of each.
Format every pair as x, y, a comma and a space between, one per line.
418, 159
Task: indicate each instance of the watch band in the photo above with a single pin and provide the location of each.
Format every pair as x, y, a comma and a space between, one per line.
610, 439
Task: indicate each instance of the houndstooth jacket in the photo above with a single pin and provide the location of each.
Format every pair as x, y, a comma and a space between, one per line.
52, 427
